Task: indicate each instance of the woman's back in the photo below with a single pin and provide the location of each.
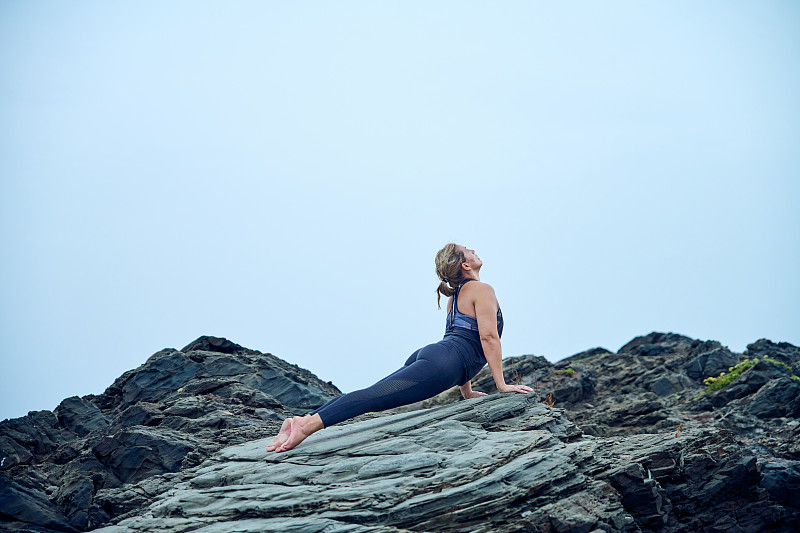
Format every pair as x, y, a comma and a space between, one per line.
463, 314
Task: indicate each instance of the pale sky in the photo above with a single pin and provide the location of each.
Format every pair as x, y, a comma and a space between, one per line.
283, 173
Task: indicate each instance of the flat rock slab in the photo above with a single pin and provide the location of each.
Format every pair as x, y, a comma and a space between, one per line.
469, 466
500, 463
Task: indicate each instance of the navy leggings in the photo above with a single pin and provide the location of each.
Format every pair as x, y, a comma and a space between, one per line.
429, 371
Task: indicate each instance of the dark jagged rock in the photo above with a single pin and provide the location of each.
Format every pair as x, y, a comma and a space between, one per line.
709, 360
139, 452
27, 508
635, 444
80, 416
656, 344
781, 351
213, 344
782, 481
80, 461
37, 433
780, 398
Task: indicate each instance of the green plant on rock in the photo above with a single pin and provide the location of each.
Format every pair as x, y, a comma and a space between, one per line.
717, 383
565, 372
770, 360
734, 372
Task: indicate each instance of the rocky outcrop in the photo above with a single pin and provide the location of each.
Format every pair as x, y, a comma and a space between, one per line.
494, 464
625, 441
654, 383
96, 457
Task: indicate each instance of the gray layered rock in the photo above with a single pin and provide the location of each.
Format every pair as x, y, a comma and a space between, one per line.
655, 383
494, 464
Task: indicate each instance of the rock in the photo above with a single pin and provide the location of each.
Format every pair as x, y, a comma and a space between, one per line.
568, 391
645, 411
139, 452
642, 495
710, 363
224, 366
498, 463
80, 416
25, 507
301, 397
601, 389
139, 414
160, 378
664, 383
13, 453
581, 357
656, 344
634, 443
74, 499
169, 414
782, 481
778, 398
38, 433
131, 497
749, 382
206, 343
780, 351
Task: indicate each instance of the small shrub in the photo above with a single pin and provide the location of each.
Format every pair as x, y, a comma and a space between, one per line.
770, 360
717, 383
567, 372
516, 376
735, 371
550, 402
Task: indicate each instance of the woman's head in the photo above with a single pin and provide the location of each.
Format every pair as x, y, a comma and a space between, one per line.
454, 264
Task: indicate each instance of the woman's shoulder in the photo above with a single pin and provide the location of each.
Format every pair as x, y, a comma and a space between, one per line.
479, 288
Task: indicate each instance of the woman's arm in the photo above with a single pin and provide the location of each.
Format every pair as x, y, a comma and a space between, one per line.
486, 313
467, 392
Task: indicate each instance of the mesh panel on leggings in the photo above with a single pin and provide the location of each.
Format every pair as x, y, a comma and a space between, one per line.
382, 395
384, 388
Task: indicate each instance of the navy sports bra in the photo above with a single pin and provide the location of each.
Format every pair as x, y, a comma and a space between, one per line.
457, 319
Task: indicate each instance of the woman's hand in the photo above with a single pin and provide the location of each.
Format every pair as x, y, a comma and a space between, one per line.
524, 389
467, 392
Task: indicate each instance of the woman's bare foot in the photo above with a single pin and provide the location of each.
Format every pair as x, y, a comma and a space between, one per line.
302, 427
283, 435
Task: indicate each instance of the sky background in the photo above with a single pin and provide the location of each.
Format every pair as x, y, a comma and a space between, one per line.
282, 174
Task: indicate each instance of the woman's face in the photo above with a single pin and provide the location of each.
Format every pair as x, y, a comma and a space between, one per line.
471, 258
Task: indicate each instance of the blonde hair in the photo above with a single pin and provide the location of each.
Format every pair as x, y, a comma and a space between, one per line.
448, 270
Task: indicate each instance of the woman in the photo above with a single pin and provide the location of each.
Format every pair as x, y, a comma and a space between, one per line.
471, 339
